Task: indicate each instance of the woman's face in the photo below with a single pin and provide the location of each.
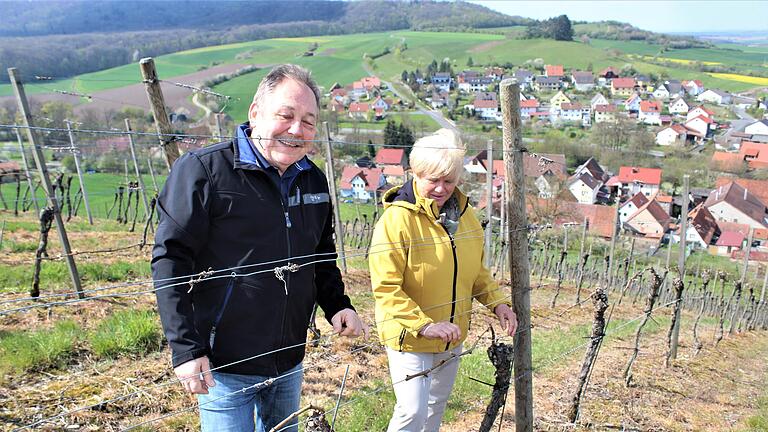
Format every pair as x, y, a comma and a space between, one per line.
437, 188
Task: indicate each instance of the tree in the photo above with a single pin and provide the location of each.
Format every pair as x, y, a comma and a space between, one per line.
470, 62
404, 76
371, 149
561, 28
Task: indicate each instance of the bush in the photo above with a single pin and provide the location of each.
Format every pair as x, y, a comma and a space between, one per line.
126, 332
38, 350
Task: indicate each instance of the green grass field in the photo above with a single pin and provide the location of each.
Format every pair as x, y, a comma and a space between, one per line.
340, 59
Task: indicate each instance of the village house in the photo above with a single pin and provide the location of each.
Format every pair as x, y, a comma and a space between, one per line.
727, 162
674, 134
650, 112
700, 110
9, 169
733, 203
728, 242
583, 81
596, 100
759, 188
701, 229
439, 99
554, 71
622, 86
524, 77
630, 206
543, 83
487, 109
650, 220
699, 126
556, 101
494, 72
363, 184
632, 180
714, 96
632, 103
759, 127
463, 79
609, 73
605, 113
643, 82
527, 107
693, 87
661, 93
442, 81
584, 187
574, 112
391, 157
359, 110
679, 106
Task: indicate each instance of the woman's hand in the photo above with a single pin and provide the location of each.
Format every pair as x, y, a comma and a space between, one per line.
447, 331
507, 319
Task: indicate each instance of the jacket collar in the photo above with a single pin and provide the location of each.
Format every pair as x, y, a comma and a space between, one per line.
248, 157
408, 196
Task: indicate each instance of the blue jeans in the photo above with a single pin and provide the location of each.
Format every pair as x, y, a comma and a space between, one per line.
227, 408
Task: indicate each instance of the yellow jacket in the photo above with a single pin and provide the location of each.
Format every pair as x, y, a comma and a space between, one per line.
420, 274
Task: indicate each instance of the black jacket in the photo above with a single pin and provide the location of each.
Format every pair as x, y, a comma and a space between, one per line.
219, 212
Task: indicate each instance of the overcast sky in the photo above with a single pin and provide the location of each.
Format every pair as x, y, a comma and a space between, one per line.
654, 15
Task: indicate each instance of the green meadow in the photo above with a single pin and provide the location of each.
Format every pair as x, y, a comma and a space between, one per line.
340, 59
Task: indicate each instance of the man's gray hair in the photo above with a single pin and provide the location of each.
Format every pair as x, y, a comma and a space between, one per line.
281, 72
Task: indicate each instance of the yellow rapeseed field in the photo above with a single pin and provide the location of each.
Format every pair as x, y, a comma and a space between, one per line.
761, 81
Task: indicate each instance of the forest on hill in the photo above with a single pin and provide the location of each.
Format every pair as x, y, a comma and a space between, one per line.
63, 39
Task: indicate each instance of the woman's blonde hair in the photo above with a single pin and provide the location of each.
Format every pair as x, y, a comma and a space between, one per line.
438, 155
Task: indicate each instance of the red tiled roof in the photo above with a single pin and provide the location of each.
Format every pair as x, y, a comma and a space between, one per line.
9, 167
759, 188
605, 108
705, 119
703, 222
638, 174
369, 175
529, 103
571, 106
739, 198
359, 107
554, 70
601, 219
479, 104
650, 106
623, 83
730, 238
389, 156
393, 170
726, 161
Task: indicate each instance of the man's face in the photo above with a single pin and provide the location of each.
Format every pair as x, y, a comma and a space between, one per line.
287, 116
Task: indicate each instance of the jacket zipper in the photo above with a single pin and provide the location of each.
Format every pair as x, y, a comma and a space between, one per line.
287, 280
455, 276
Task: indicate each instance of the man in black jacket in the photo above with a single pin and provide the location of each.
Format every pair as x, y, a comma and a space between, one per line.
257, 212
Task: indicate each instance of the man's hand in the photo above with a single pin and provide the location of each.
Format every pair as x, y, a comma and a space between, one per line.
507, 319
447, 331
346, 322
195, 375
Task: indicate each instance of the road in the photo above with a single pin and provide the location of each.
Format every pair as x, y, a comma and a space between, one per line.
436, 115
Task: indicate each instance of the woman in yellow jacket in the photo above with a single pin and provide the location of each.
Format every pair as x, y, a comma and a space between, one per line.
426, 267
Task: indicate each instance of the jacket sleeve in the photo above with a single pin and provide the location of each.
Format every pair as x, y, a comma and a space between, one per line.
387, 260
330, 286
183, 207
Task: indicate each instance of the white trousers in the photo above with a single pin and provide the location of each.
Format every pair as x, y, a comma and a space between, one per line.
421, 401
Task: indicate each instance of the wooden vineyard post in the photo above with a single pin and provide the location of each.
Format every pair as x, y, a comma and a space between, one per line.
675, 335
489, 204
157, 103
329, 172
21, 98
142, 188
30, 182
518, 252
76, 155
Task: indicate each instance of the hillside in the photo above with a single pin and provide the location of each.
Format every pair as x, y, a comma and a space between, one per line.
64, 39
